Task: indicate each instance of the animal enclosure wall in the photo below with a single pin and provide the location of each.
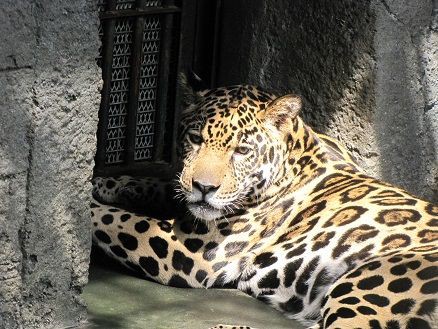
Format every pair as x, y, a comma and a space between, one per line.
49, 98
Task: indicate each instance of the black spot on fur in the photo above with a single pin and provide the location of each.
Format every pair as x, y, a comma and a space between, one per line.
396, 240
119, 251
128, 241
201, 228
392, 324
330, 319
308, 212
428, 273
430, 287
265, 259
110, 184
432, 210
400, 285
395, 259
293, 305
290, 272
193, 245
297, 251
222, 225
427, 307
182, 263
376, 300
210, 251
102, 236
418, 323
225, 232
322, 279
342, 289
370, 282
404, 306
399, 269
165, 226
220, 281
350, 301
375, 324
177, 281
107, 219
125, 217
200, 275
345, 216
216, 267
344, 312
232, 248
141, 226
394, 217
186, 227
159, 246
270, 280
301, 286
150, 265
356, 234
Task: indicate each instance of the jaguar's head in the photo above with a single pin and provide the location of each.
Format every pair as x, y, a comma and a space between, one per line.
233, 147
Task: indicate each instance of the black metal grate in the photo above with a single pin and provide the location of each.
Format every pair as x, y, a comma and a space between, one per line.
144, 134
136, 57
119, 89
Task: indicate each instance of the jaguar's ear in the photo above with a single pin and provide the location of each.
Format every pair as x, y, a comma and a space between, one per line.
191, 87
283, 110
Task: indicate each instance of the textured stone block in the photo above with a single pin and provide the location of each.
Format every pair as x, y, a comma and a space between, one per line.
49, 99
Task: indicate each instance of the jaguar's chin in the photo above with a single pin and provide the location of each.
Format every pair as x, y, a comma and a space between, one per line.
203, 210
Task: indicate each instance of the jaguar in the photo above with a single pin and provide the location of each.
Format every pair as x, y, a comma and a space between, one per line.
264, 204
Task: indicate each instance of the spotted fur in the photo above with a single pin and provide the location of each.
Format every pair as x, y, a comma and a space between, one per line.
279, 212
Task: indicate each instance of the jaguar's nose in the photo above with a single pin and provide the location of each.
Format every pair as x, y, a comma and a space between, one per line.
204, 189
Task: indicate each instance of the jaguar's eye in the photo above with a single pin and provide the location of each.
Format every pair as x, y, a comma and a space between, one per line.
242, 150
195, 139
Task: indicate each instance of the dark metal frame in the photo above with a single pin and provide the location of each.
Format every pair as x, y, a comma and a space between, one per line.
185, 26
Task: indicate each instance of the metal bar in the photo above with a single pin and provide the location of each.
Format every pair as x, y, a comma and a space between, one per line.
162, 89
107, 60
136, 54
139, 12
215, 55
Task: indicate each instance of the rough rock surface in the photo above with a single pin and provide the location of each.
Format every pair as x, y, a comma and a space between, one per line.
367, 69
49, 97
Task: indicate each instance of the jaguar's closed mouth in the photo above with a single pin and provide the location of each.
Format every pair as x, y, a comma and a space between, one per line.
204, 205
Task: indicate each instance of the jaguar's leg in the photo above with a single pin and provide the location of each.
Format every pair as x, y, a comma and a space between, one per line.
155, 248
144, 195
394, 291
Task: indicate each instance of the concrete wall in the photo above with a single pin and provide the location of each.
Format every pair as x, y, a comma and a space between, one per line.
48, 116
367, 69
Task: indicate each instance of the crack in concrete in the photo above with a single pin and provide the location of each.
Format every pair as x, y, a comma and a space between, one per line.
391, 13
30, 135
16, 68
